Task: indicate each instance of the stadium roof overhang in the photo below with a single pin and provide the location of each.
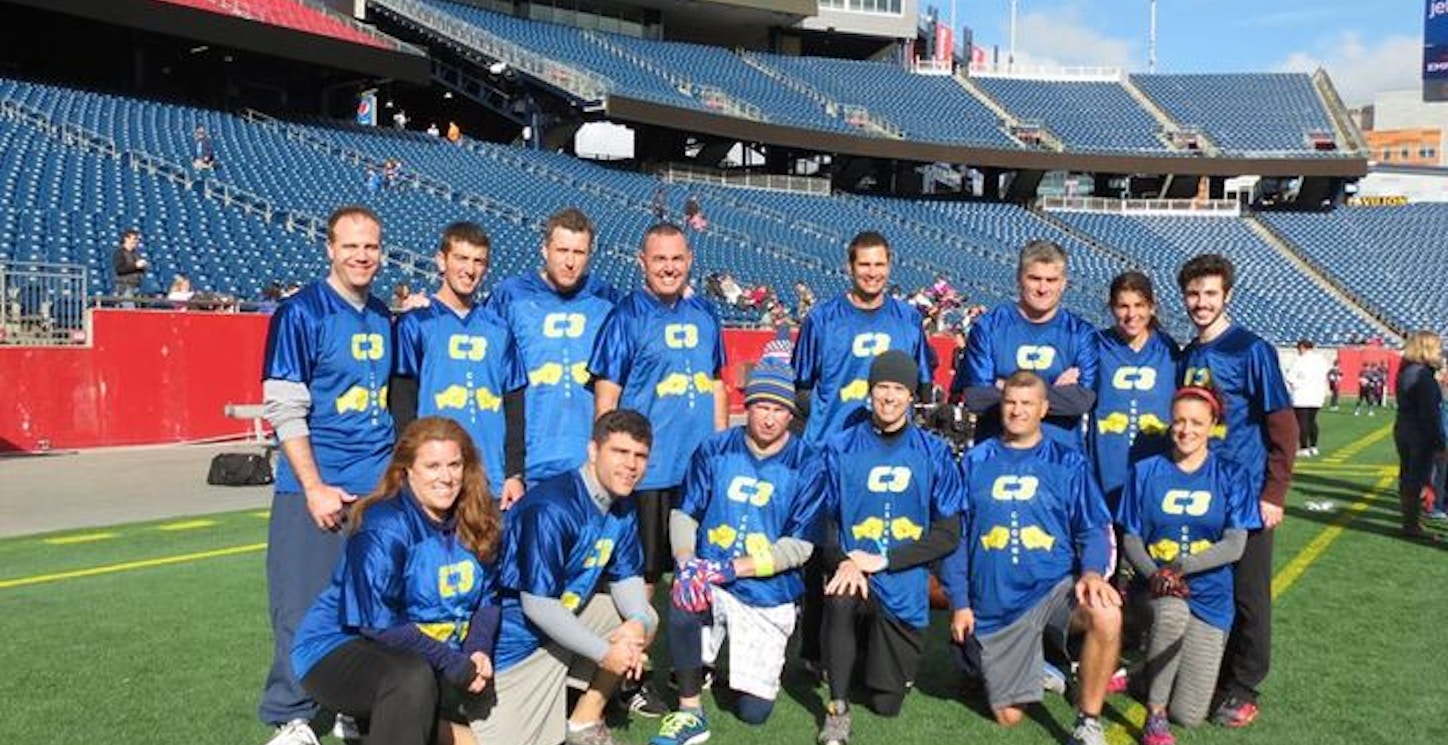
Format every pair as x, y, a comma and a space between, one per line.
622, 108
404, 63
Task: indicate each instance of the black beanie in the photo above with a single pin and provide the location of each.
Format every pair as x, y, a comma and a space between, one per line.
894, 366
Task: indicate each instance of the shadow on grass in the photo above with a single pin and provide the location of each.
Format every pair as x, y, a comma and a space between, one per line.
1380, 517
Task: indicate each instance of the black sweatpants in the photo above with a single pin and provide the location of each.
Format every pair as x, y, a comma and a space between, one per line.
892, 651
397, 692
1306, 427
1249, 648
1415, 470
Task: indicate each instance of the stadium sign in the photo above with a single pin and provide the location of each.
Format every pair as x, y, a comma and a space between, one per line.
1386, 200
1435, 51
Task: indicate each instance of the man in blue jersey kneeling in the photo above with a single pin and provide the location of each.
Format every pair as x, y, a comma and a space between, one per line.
1034, 518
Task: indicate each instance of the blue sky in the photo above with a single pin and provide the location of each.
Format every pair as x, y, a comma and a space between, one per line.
1366, 45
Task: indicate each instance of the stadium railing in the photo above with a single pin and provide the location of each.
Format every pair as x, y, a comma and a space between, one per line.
1045, 72
771, 182
577, 82
1192, 207
43, 304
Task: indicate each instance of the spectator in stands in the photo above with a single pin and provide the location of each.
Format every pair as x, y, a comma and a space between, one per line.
729, 289
271, 297
776, 316
660, 203
454, 132
391, 171
1307, 382
329, 352
432, 130
694, 213
1418, 431
203, 155
374, 181
399, 120
180, 293
129, 266
805, 298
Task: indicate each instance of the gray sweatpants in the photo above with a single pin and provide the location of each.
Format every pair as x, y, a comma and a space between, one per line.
300, 558
1182, 661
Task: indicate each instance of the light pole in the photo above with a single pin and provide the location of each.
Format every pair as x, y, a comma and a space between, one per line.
1151, 41
1011, 60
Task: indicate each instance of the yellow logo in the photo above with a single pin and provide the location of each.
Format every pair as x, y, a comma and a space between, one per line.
1134, 379
750, 490
870, 344
681, 336
452, 397
1030, 357
1198, 376
455, 579
883, 479
1168, 550
1035, 539
570, 600
723, 536
564, 325
1185, 502
997, 538
367, 347
905, 529
549, 373
1014, 488
871, 527
1115, 424
464, 347
356, 398
855, 391
1151, 424
677, 384
580, 374
602, 552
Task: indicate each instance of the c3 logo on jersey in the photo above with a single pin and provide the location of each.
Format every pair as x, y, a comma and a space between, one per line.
747, 489
1198, 376
464, 347
884, 479
870, 344
1134, 379
1030, 357
855, 391
455, 579
549, 373
602, 552
367, 347
1014, 488
681, 336
1186, 502
564, 325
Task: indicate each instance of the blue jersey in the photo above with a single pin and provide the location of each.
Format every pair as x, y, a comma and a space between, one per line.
399, 568
554, 333
1033, 517
884, 494
344, 357
1178, 514
464, 365
1244, 370
836, 346
744, 504
1002, 342
666, 359
557, 543
1133, 406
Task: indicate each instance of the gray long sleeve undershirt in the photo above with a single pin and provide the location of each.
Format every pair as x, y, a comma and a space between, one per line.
789, 552
1221, 553
560, 625
286, 404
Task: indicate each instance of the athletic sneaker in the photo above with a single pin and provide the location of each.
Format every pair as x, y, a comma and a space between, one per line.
594, 734
1052, 679
1235, 713
295, 732
682, 728
346, 729
1088, 731
1315, 452
1436, 516
645, 701
1304, 452
1157, 731
1119, 682
837, 728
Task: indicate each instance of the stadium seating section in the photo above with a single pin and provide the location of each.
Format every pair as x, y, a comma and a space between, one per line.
293, 14
228, 229
1088, 115
1244, 113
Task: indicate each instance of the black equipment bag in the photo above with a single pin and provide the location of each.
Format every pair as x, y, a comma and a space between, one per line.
239, 469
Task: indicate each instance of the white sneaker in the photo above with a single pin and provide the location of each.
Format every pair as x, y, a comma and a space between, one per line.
295, 732
1304, 452
346, 729
1315, 452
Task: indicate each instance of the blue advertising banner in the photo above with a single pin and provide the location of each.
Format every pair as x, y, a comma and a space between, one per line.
1435, 50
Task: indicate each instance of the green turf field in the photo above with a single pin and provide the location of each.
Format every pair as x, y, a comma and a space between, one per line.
157, 633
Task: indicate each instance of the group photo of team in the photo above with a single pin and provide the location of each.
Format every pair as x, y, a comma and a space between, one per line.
483, 503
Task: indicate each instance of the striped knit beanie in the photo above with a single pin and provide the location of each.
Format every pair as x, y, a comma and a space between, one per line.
770, 382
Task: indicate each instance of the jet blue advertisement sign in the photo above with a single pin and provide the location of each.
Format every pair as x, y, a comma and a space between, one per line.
1435, 50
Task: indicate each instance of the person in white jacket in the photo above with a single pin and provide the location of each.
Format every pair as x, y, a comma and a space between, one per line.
1307, 381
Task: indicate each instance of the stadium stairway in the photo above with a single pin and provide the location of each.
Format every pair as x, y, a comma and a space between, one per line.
1010, 120
1168, 124
1309, 269
1344, 128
